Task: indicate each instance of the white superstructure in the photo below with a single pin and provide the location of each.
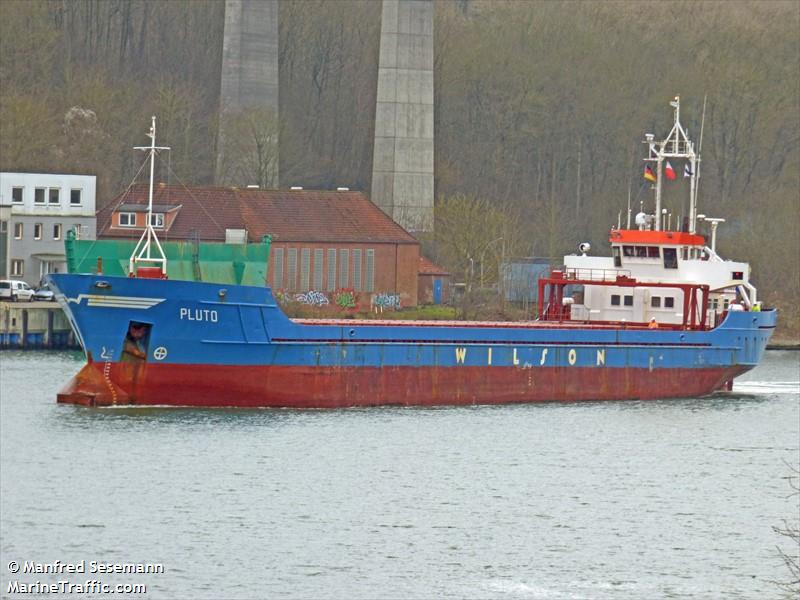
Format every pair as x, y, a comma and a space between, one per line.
651, 254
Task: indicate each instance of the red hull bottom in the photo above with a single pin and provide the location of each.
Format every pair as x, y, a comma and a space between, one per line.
107, 384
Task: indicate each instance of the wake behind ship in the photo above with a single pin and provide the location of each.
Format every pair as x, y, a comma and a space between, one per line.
664, 316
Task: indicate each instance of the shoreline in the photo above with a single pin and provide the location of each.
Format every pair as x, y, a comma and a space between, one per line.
784, 346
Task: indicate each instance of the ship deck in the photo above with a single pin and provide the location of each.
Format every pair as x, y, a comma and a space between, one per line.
485, 324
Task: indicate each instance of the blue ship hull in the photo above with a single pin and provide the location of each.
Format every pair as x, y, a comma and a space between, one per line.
214, 345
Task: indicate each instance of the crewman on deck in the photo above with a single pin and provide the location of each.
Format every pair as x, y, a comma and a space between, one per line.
134, 349
653, 324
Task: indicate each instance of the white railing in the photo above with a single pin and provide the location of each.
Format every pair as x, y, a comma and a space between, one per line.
596, 274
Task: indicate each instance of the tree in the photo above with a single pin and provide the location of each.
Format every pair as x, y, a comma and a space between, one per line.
791, 531
248, 148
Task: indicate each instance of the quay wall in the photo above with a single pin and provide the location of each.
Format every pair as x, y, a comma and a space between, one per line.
32, 325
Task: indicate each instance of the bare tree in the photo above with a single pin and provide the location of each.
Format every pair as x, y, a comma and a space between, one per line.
791, 531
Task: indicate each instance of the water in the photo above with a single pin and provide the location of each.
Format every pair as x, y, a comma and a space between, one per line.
628, 500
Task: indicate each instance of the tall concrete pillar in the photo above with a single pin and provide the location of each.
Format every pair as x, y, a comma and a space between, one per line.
249, 93
402, 169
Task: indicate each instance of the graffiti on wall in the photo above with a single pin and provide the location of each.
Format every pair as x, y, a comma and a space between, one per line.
312, 298
385, 300
345, 299
282, 296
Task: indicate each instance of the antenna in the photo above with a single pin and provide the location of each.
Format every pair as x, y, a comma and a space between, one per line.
142, 252
695, 175
676, 145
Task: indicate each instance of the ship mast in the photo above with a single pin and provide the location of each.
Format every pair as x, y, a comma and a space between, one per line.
143, 252
676, 145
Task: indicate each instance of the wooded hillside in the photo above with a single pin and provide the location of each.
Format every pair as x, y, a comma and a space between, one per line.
540, 109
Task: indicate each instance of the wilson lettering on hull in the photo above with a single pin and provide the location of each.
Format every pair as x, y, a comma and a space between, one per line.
201, 344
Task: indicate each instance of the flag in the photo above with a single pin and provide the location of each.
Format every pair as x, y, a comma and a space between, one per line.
687, 170
648, 174
669, 172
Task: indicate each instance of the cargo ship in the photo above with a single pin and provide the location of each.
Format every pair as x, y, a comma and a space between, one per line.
664, 316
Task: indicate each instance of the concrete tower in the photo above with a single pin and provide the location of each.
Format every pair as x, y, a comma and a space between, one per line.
249, 94
402, 168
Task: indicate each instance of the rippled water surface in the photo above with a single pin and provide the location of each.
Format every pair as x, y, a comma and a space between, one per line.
633, 500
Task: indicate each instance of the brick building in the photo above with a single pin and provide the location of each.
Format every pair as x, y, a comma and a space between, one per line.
322, 241
434, 283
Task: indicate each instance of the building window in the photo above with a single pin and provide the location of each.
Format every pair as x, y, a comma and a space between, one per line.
357, 269
669, 302
318, 255
75, 197
157, 220
331, 269
614, 299
291, 267
18, 229
17, 267
16, 195
628, 300
127, 219
37, 231
53, 195
370, 271
344, 268
305, 268
655, 301
38, 196
277, 268
57, 231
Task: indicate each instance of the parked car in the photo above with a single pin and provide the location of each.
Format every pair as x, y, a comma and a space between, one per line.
15, 290
44, 294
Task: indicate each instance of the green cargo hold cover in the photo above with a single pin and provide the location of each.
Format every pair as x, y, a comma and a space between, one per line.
240, 264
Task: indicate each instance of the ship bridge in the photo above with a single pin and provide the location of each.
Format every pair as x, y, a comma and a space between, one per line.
655, 258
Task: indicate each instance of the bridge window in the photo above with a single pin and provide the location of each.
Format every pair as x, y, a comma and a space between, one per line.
628, 251
628, 300
670, 258
652, 252
655, 301
614, 299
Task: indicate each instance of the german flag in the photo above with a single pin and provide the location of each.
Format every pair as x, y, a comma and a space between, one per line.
648, 174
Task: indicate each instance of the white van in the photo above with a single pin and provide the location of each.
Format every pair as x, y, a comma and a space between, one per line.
15, 290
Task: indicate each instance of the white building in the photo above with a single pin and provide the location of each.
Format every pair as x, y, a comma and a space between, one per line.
44, 207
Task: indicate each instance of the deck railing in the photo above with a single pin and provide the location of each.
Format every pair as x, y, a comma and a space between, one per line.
596, 274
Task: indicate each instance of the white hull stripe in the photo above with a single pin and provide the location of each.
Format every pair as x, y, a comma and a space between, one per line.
116, 301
